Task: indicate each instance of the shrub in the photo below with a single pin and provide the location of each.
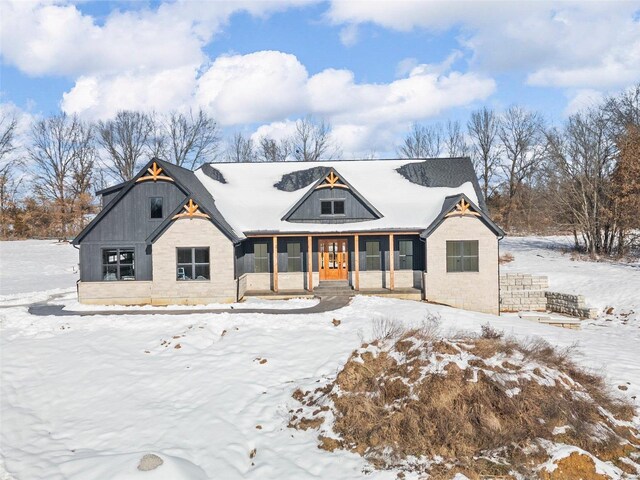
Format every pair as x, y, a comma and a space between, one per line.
479, 405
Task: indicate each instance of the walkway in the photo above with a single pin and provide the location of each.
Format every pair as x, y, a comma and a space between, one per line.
326, 304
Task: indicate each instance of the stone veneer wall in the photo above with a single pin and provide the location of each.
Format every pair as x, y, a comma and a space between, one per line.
523, 291
477, 291
568, 304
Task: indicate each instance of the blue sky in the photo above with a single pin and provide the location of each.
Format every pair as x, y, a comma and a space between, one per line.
369, 68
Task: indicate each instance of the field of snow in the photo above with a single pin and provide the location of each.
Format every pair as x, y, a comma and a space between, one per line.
87, 397
38, 268
604, 284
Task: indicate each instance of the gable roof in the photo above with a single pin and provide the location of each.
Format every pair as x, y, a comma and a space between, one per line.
323, 177
185, 180
409, 193
449, 206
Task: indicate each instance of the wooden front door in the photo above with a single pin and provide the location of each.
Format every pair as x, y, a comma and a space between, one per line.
333, 261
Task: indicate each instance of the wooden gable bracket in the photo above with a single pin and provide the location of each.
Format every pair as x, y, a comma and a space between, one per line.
331, 181
154, 173
191, 210
462, 208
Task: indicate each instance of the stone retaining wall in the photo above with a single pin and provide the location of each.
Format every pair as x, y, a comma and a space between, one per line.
568, 304
526, 292
523, 291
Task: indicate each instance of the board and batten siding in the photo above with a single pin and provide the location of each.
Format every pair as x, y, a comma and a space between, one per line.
477, 291
309, 211
127, 225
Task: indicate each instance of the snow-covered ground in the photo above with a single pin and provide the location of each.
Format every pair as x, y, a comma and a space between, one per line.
87, 397
604, 284
37, 267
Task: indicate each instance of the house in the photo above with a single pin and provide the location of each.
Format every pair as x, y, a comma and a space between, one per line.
411, 227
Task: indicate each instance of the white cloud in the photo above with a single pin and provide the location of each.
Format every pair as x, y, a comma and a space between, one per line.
95, 97
279, 130
54, 37
566, 44
259, 86
349, 35
272, 86
582, 99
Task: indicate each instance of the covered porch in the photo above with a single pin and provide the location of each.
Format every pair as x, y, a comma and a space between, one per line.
375, 263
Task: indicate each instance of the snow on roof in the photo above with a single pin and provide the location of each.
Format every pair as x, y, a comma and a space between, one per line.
250, 202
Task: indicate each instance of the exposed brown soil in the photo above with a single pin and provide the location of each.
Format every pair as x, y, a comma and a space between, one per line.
576, 466
414, 394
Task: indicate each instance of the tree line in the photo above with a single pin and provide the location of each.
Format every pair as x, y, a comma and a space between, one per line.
581, 177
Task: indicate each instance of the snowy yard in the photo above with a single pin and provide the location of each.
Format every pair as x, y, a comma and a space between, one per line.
86, 397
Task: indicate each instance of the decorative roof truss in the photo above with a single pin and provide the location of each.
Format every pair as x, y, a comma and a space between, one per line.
332, 180
191, 210
155, 173
463, 208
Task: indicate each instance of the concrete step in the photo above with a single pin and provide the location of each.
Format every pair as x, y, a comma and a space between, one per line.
333, 289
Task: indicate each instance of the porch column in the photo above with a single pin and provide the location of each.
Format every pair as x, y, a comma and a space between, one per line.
391, 263
356, 241
275, 264
310, 263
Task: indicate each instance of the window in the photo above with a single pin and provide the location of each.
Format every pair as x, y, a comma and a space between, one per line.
462, 256
118, 264
373, 255
155, 207
261, 257
332, 207
294, 257
405, 254
193, 263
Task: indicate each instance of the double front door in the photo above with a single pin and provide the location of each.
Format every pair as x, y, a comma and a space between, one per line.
333, 261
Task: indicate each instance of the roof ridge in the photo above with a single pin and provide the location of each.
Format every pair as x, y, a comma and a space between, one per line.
336, 161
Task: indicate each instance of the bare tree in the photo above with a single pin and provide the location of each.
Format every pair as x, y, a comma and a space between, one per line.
190, 140
240, 149
583, 156
312, 140
454, 141
423, 141
270, 150
125, 139
10, 182
8, 126
61, 148
521, 135
483, 131
10, 178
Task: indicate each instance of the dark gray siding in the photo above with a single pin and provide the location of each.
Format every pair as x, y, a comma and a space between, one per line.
418, 251
127, 224
246, 264
107, 197
309, 210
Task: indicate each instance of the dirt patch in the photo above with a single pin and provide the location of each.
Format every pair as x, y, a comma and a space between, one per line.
506, 257
576, 466
482, 406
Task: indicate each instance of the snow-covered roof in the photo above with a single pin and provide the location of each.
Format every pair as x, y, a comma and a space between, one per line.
248, 199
